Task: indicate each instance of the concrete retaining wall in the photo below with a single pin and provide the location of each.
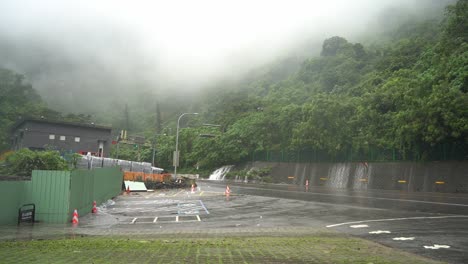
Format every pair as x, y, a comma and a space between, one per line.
450, 177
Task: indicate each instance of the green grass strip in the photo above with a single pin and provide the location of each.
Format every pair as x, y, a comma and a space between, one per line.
266, 249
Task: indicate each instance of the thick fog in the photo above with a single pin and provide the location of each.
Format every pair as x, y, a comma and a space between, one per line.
85, 53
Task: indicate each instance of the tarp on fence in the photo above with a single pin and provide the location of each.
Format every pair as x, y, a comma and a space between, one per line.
140, 176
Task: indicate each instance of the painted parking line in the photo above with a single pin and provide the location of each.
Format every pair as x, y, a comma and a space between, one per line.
146, 202
159, 220
182, 208
204, 207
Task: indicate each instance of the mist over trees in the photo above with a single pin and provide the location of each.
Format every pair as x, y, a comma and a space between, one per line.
397, 95
407, 96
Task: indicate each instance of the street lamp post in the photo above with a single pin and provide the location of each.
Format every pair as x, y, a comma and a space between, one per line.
176, 153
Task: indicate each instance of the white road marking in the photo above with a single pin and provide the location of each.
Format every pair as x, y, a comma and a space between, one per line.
403, 238
186, 204
436, 246
177, 219
400, 219
358, 226
204, 207
379, 232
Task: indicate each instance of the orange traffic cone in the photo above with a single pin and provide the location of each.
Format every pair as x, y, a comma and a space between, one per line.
193, 188
128, 189
75, 217
228, 191
94, 210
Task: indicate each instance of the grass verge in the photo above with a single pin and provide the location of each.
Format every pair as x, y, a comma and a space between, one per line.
265, 249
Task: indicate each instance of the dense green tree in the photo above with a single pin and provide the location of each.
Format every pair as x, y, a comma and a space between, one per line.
17, 99
24, 161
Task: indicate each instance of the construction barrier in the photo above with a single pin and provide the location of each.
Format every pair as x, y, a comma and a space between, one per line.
142, 177
57, 193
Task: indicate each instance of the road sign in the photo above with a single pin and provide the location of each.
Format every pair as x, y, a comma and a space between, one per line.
27, 213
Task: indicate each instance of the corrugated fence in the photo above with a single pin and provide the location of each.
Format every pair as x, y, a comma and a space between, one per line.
57, 193
13, 196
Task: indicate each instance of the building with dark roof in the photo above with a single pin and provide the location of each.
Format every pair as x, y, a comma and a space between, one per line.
42, 134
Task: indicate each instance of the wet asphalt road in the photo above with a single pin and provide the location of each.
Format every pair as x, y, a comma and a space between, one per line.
434, 225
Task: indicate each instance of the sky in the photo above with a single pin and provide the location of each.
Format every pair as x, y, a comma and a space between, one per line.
79, 48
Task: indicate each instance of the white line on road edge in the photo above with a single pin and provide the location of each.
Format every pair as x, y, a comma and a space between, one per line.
155, 219
198, 217
403, 238
379, 232
358, 226
400, 219
177, 218
134, 219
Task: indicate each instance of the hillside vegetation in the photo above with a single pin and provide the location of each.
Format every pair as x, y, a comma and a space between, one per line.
402, 97
407, 96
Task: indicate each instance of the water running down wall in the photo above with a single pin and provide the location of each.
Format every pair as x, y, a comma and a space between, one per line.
447, 176
219, 174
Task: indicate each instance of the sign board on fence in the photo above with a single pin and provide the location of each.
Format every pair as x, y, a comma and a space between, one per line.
26, 213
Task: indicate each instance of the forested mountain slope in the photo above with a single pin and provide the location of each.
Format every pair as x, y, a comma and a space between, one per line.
408, 95
404, 93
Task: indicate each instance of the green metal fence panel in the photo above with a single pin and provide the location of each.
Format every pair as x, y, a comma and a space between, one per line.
81, 192
107, 183
57, 193
50, 193
27, 193
12, 199
93, 185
